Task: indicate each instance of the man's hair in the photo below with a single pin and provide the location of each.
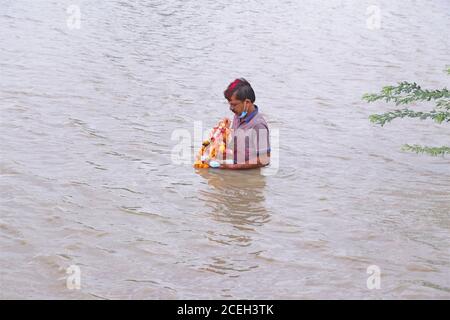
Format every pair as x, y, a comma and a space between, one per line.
242, 88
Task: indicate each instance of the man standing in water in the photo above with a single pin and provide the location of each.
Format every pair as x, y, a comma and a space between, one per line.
250, 140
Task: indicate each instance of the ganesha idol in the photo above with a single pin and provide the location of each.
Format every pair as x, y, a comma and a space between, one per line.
215, 147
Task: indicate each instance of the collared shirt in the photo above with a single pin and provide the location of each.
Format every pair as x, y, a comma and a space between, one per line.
250, 137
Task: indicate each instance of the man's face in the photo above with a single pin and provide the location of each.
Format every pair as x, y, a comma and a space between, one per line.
236, 105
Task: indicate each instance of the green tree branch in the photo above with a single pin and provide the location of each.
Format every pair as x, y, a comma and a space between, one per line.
406, 93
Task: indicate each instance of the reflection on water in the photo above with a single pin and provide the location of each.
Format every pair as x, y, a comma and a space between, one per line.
236, 197
238, 200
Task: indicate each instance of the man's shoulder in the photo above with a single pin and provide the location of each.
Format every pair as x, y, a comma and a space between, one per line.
259, 122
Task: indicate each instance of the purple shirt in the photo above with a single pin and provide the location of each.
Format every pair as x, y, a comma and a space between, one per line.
250, 137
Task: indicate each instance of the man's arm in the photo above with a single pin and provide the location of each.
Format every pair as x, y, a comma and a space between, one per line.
261, 161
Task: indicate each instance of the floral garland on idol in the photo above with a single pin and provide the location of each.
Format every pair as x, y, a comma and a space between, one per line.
215, 145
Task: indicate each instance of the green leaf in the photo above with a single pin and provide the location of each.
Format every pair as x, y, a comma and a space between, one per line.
432, 151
